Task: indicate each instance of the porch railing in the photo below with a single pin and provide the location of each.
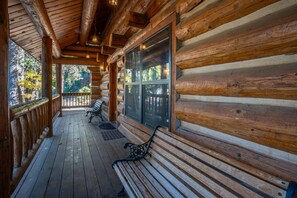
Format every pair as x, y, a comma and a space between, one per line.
76, 100
28, 129
56, 105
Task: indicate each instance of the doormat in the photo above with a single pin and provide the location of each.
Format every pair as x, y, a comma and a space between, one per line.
111, 135
106, 126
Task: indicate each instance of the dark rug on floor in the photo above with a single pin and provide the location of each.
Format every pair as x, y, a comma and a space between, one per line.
111, 135
106, 126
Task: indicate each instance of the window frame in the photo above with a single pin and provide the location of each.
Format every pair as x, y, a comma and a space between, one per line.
141, 83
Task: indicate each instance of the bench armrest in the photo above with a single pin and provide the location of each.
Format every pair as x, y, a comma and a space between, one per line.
138, 152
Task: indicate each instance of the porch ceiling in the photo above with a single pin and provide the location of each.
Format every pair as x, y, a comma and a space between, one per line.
62, 21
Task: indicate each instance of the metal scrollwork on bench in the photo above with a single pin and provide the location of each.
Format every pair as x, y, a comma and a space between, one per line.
138, 152
292, 190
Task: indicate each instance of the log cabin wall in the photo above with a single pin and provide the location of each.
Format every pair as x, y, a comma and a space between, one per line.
120, 86
237, 90
104, 88
95, 84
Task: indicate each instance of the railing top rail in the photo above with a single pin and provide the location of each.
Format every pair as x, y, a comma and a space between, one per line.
75, 94
19, 110
55, 96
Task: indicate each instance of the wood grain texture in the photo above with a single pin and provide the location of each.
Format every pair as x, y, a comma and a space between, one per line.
38, 14
83, 48
47, 64
215, 15
76, 61
98, 56
106, 50
59, 74
88, 14
137, 20
184, 6
252, 162
278, 82
267, 125
5, 140
113, 92
265, 38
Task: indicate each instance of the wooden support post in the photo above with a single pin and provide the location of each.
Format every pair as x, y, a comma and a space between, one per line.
47, 62
112, 92
5, 161
59, 85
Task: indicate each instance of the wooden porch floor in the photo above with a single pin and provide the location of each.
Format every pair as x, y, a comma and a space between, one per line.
75, 162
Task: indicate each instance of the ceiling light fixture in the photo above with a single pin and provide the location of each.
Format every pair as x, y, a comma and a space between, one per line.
87, 55
113, 2
95, 37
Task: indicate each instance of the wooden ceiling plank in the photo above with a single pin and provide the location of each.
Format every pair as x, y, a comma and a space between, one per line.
56, 3
38, 14
64, 6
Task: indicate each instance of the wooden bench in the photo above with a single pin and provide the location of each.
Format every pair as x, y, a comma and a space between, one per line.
170, 166
95, 110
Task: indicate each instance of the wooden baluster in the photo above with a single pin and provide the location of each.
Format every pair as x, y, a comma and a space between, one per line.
33, 126
30, 130
17, 142
25, 135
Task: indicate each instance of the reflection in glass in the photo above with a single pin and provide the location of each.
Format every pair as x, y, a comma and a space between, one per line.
147, 77
133, 66
132, 98
156, 104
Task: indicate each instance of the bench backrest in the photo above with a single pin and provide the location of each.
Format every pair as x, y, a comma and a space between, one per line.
203, 171
97, 105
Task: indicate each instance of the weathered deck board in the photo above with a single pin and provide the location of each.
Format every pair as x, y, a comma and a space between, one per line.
75, 162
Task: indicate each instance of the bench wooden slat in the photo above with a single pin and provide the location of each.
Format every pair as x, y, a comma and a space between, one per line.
171, 189
154, 182
130, 180
124, 182
178, 184
144, 180
144, 191
197, 175
194, 184
213, 173
176, 167
229, 161
257, 183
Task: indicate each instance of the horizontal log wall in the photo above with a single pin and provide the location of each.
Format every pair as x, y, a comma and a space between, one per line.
236, 92
120, 85
95, 84
104, 88
238, 84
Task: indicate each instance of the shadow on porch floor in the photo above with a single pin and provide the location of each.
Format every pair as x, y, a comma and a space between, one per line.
75, 162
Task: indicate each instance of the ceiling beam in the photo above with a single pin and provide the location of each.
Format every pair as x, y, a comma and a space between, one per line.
38, 14
118, 19
117, 41
137, 20
76, 61
83, 48
100, 57
88, 14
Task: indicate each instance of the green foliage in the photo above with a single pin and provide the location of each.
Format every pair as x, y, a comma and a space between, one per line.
75, 77
32, 77
85, 89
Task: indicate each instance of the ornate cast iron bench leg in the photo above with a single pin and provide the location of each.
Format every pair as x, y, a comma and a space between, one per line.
122, 192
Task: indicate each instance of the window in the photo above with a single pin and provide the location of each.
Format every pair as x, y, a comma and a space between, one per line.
147, 80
